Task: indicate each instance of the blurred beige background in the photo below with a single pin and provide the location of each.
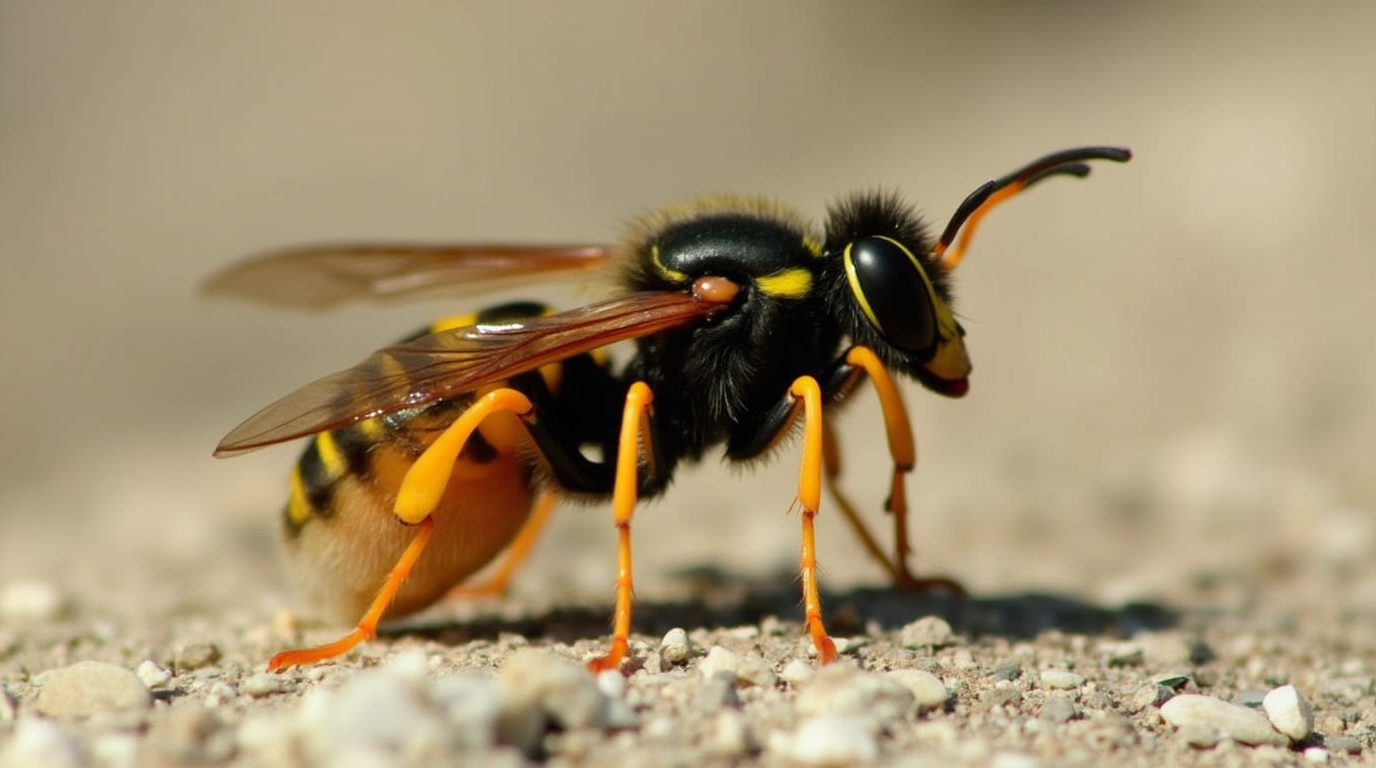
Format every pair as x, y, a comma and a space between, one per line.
1172, 359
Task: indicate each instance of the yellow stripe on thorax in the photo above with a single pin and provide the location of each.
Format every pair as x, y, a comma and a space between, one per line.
786, 283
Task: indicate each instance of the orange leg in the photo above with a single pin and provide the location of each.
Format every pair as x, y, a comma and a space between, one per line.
806, 390
904, 452
367, 626
417, 497
496, 585
634, 423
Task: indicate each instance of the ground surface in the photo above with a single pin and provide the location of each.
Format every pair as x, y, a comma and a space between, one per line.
1159, 485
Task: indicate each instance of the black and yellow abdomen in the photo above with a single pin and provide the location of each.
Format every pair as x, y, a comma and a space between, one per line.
340, 534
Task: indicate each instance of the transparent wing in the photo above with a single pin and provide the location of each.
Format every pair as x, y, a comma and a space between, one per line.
449, 363
322, 277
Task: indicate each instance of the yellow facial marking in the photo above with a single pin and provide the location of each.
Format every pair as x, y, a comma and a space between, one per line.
787, 283
813, 246
673, 275
298, 508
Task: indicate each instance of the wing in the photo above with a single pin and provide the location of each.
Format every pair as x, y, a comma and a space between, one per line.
321, 277
449, 363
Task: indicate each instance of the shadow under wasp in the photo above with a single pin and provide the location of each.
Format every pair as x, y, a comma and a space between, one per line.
434, 455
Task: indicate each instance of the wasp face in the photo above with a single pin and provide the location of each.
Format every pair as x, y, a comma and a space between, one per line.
891, 296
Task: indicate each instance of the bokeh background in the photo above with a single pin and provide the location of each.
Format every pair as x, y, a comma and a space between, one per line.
1173, 365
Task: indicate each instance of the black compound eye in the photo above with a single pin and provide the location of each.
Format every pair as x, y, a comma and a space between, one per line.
893, 290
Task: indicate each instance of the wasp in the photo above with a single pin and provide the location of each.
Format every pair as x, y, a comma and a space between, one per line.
433, 456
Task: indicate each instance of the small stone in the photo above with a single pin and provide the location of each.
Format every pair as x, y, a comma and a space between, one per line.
381, 711
1289, 712
843, 689
1150, 695
220, 693
797, 672
196, 655
611, 683
1061, 679
1342, 744
850, 646
30, 600
1006, 671
731, 736
152, 675
1316, 755
39, 743
1058, 709
89, 688
929, 693
265, 684
748, 670
538, 688
471, 707
1243, 725
675, 648
717, 693
829, 740
927, 632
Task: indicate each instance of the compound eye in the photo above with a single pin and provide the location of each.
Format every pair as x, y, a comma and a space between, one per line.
893, 290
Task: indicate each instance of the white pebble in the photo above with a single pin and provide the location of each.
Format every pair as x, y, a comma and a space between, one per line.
1061, 679
265, 684
30, 600
537, 688
797, 672
1237, 722
152, 675
1316, 755
675, 647
383, 710
470, 705
929, 693
731, 736
843, 689
89, 688
1289, 712
829, 740
612, 683
39, 743
220, 693
748, 670
927, 632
